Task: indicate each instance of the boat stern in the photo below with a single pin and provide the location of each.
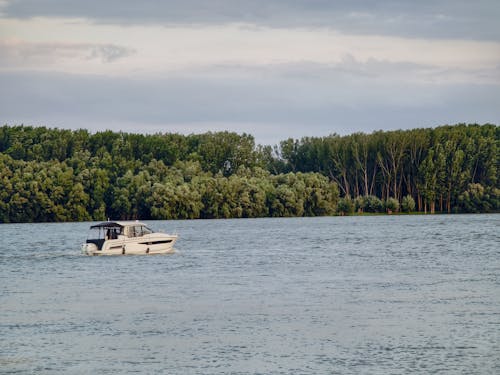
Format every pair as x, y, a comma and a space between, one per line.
89, 248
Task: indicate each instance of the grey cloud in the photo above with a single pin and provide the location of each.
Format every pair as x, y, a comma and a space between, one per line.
417, 73
427, 18
350, 71
23, 53
272, 104
110, 52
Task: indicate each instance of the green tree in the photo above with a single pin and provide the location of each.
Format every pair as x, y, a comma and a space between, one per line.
392, 205
408, 204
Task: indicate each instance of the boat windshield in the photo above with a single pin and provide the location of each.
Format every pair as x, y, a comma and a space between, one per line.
138, 231
146, 230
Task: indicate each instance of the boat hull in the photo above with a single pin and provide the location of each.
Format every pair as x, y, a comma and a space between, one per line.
154, 243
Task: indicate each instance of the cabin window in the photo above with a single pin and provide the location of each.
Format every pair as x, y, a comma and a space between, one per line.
135, 231
138, 231
113, 233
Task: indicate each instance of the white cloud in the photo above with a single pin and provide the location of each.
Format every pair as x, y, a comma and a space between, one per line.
155, 50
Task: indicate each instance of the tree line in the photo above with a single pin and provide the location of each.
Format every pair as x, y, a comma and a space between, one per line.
64, 175
446, 169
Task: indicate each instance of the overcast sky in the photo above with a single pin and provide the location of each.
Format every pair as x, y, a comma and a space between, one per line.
271, 68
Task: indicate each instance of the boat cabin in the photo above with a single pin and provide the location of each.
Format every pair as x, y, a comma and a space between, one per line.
114, 230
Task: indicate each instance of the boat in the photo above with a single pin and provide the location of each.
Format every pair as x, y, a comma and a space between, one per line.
127, 237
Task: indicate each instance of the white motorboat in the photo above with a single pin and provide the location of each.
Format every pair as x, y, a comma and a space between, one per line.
127, 237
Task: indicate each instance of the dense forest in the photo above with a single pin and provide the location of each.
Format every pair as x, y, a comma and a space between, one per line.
64, 175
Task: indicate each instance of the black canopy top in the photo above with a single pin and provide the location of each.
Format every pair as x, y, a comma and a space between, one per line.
107, 224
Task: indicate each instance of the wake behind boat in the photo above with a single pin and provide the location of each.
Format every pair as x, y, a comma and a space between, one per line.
127, 237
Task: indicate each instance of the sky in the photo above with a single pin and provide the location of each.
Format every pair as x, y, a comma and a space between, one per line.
271, 68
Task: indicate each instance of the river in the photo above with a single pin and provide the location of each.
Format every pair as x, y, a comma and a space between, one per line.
328, 295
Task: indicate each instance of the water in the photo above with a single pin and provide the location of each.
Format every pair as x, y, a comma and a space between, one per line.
339, 295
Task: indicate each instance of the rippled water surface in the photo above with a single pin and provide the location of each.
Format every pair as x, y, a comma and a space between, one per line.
339, 295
